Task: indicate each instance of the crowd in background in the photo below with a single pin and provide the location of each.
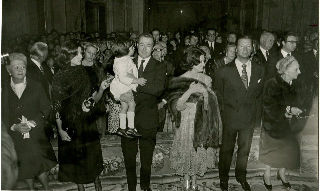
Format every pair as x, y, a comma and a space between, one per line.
180, 54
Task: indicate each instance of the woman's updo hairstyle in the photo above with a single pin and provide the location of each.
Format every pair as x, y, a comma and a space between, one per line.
284, 63
68, 51
191, 57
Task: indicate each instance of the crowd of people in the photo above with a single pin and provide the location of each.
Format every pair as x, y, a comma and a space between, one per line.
216, 89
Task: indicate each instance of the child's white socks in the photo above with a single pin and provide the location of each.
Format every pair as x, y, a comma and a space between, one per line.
130, 116
123, 120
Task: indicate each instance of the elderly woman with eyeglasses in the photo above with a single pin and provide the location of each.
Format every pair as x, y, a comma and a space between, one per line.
25, 107
279, 147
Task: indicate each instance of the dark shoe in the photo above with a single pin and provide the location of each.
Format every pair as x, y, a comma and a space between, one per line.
285, 184
268, 187
224, 185
122, 133
245, 185
133, 132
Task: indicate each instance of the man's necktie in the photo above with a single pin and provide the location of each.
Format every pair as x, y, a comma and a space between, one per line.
244, 76
140, 70
267, 55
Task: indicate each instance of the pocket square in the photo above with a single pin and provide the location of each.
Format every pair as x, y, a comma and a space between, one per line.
259, 81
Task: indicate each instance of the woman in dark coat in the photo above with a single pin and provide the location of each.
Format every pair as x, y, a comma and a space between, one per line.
279, 147
25, 107
76, 101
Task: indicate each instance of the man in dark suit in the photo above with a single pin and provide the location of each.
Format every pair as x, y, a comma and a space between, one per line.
262, 56
289, 45
266, 43
216, 50
239, 86
212, 65
146, 115
37, 69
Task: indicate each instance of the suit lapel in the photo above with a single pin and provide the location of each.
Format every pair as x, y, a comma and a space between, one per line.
254, 75
135, 61
148, 66
260, 54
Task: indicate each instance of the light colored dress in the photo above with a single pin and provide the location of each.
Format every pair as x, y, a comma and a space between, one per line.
183, 157
123, 67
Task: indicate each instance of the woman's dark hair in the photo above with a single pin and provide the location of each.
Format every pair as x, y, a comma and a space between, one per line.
191, 57
67, 52
121, 47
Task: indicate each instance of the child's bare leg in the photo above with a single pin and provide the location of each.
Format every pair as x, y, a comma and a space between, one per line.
131, 114
123, 115
132, 130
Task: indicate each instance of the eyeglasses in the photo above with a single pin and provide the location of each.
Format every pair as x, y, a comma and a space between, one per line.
293, 41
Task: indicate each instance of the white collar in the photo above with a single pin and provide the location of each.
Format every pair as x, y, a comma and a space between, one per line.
248, 63
314, 52
145, 62
19, 88
264, 52
284, 53
23, 83
36, 62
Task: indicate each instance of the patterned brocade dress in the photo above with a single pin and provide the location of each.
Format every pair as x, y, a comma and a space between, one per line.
184, 158
194, 148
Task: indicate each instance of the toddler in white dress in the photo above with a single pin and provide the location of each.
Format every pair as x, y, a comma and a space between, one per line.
126, 80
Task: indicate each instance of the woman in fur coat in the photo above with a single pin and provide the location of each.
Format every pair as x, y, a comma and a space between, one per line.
196, 113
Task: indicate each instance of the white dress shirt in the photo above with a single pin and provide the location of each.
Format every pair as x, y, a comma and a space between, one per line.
145, 62
248, 68
284, 53
264, 52
37, 63
19, 88
211, 44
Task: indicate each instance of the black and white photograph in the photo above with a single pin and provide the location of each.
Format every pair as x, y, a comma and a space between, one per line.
159, 95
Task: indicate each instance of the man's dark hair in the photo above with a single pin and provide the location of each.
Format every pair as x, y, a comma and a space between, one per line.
146, 35
287, 34
211, 29
244, 37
